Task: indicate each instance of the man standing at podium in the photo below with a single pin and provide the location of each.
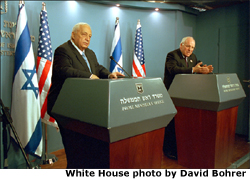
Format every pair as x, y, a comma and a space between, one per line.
75, 59
180, 61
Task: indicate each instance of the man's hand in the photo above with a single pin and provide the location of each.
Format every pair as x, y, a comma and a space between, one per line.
203, 70
94, 77
115, 74
211, 68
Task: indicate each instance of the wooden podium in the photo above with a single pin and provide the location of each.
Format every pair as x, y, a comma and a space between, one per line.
206, 118
122, 120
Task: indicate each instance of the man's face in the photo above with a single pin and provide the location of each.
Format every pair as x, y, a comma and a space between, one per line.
82, 36
187, 47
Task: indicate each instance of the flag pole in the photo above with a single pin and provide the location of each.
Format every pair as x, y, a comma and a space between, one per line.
49, 159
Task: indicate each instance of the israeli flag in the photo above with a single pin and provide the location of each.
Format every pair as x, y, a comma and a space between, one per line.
116, 50
25, 107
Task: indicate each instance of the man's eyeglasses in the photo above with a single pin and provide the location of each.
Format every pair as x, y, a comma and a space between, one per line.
189, 46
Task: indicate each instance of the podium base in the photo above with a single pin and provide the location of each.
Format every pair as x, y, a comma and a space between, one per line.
205, 139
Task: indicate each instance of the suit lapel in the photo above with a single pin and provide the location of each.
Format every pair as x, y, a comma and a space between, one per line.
183, 60
190, 61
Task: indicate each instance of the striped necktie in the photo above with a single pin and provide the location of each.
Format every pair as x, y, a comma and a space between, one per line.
86, 60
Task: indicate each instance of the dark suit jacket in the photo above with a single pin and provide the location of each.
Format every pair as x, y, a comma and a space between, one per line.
68, 63
176, 64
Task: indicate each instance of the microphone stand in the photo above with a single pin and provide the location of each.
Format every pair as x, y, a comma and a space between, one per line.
112, 58
6, 118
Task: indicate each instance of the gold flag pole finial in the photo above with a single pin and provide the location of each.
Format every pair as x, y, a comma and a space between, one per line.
21, 2
117, 20
138, 22
43, 6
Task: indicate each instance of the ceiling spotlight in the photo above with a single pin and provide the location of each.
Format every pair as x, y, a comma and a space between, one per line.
201, 9
117, 5
156, 9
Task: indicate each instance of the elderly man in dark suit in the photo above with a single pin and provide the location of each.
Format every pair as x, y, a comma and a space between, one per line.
75, 59
69, 61
180, 61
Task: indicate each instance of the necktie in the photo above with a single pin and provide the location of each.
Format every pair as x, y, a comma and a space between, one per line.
186, 61
86, 60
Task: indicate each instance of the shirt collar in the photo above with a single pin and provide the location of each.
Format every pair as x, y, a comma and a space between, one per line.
77, 48
184, 56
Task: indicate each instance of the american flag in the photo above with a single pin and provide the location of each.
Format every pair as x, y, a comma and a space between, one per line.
138, 67
25, 107
44, 67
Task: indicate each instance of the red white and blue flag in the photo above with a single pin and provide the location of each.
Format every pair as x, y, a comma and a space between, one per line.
138, 67
25, 106
116, 50
44, 67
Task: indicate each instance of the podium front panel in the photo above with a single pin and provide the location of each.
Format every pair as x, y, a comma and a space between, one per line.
124, 107
213, 92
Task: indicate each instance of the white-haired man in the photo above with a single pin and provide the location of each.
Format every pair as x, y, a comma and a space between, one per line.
180, 61
74, 59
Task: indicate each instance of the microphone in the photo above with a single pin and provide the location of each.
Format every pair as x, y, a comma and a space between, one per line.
112, 58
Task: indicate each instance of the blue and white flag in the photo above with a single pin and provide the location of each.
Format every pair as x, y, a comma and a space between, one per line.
116, 50
25, 107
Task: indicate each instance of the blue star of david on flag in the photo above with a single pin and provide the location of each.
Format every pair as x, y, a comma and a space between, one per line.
29, 85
